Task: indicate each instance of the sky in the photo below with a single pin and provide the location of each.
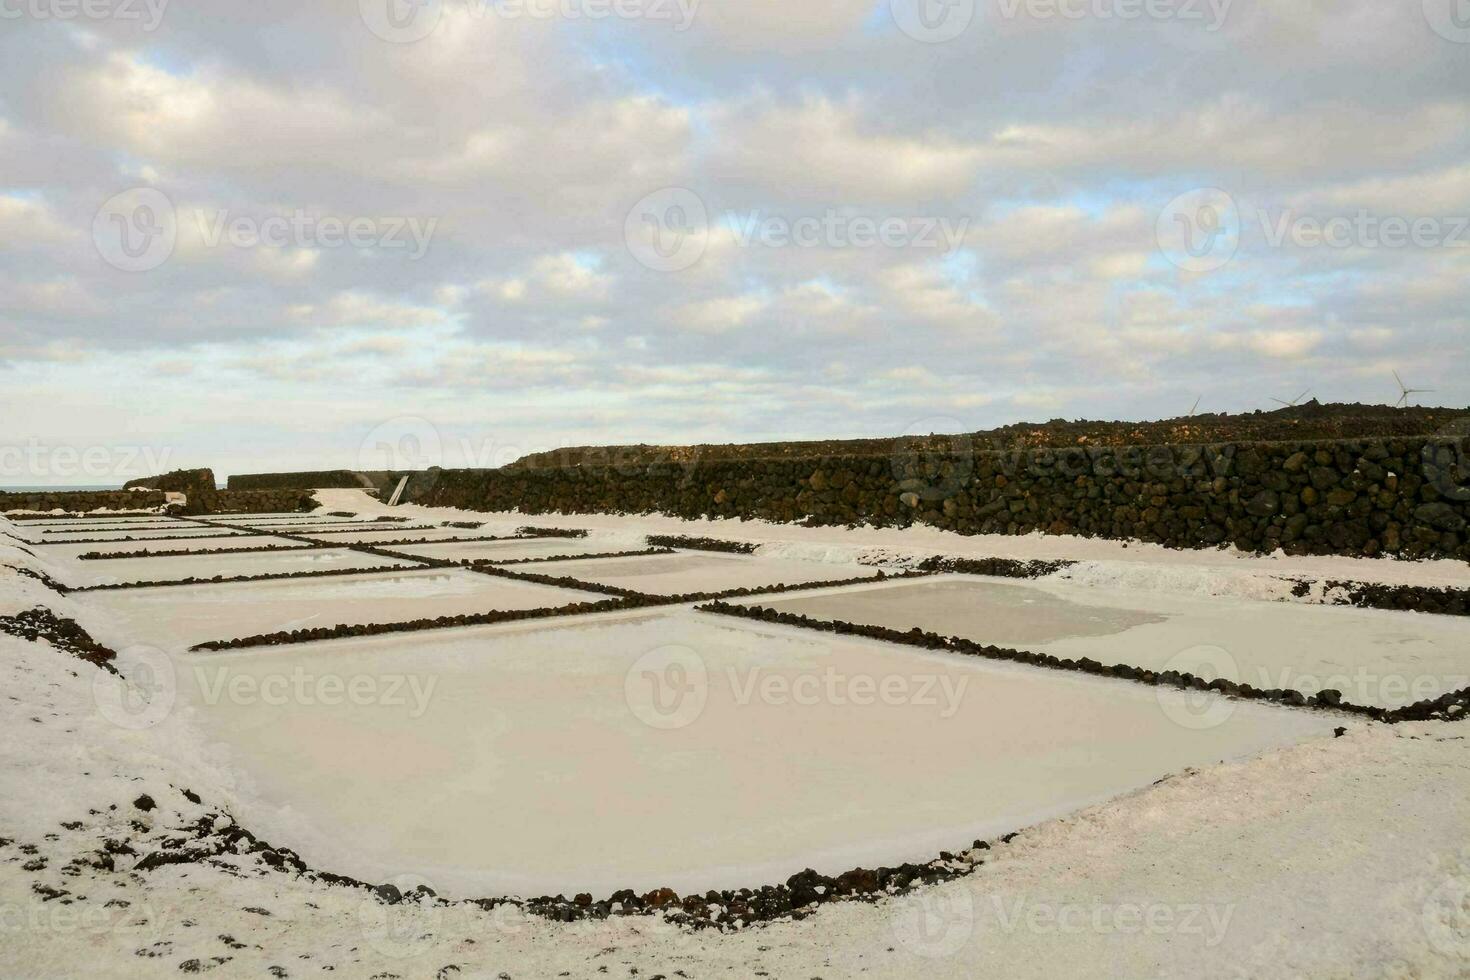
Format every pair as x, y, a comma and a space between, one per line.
387, 233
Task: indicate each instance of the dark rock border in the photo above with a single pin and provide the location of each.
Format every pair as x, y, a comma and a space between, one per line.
1442, 601
161, 537
994, 567
409, 626
702, 544
551, 532
65, 634
538, 561
1447, 707
145, 553
237, 579
126, 515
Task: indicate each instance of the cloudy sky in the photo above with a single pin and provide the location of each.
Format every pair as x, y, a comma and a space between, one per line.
277, 235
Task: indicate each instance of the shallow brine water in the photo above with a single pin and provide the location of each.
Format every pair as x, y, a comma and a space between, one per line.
674, 749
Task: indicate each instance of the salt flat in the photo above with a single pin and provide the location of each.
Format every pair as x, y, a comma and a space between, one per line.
177, 617
192, 531
381, 533
512, 550
1374, 657
117, 570
688, 572
490, 782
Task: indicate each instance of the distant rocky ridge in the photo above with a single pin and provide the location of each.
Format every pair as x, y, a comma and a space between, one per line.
1311, 421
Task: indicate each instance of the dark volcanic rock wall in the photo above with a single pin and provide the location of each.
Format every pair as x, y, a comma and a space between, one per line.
1408, 496
191, 482
259, 502
80, 501
320, 480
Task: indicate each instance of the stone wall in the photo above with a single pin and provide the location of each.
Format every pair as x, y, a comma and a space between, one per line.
1409, 497
80, 501
259, 502
320, 480
190, 482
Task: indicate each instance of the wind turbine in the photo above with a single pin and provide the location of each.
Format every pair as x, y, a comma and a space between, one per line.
1294, 402
1196, 406
1403, 401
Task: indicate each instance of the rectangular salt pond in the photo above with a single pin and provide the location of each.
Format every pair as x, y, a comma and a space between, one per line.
193, 531
177, 617
117, 570
674, 749
512, 550
686, 572
1374, 657
379, 534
